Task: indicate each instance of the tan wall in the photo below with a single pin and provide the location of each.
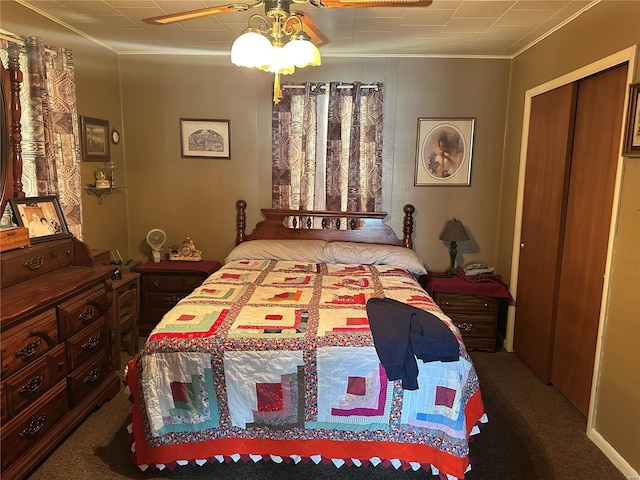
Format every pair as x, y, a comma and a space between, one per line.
196, 197
580, 43
98, 94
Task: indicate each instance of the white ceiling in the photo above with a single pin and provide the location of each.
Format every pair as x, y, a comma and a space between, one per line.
486, 28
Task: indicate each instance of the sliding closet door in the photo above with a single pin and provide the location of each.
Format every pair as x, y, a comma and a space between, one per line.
547, 173
596, 147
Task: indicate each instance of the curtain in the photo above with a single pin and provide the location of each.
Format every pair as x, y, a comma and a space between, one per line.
50, 133
327, 147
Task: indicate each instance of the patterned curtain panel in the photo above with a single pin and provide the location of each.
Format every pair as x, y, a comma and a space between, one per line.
294, 148
327, 147
50, 133
354, 148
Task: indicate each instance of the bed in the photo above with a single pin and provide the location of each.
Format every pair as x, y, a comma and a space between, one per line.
285, 355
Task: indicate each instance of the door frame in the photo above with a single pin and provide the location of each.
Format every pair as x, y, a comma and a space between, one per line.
627, 55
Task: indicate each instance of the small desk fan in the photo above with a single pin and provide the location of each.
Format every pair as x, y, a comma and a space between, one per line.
156, 239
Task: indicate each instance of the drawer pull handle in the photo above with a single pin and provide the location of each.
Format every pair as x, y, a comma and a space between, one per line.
93, 375
92, 342
465, 327
29, 350
172, 300
32, 385
34, 263
34, 427
486, 305
87, 314
156, 284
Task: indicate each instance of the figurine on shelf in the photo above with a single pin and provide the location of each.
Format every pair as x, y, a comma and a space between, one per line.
101, 178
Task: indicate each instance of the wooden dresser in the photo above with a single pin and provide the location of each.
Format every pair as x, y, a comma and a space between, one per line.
55, 348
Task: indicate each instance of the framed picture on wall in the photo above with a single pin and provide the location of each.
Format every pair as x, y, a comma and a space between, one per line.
205, 138
632, 132
444, 149
95, 139
42, 216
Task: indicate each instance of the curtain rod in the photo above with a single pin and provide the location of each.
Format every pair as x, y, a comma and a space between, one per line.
340, 87
9, 37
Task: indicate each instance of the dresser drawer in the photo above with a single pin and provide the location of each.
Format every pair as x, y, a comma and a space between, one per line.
31, 262
33, 381
88, 376
84, 344
82, 310
173, 283
28, 341
455, 302
19, 433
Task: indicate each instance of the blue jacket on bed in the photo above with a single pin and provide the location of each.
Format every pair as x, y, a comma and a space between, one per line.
402, 332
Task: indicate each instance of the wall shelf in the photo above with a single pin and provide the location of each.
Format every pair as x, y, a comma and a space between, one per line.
102, 192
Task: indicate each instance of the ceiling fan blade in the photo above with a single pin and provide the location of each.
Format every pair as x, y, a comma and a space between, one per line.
203, 12
370, 3
317, 37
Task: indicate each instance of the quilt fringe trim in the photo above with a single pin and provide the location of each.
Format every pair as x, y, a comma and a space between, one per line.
295, 459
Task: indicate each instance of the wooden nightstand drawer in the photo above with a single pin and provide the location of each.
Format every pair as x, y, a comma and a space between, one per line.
173, 283
456, 302
475, 326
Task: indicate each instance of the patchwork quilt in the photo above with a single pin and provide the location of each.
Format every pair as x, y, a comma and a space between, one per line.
275, 360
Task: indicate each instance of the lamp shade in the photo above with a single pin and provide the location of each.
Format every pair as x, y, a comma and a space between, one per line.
251, 49
454, 231
301, 52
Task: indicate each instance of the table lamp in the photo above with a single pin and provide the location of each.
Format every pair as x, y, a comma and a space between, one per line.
453, 232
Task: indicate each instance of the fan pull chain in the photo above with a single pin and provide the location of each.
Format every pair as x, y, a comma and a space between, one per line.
277, 92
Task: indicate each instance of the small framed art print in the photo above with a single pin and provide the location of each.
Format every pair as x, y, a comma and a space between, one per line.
95, 139
205, 138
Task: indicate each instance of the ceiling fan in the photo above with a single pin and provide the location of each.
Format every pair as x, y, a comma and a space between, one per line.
280, 8
291, 39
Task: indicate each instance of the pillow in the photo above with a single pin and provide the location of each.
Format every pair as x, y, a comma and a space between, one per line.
296, 250
374, 254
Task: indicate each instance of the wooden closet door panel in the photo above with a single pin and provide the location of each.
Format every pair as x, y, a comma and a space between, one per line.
596, 150
548, 158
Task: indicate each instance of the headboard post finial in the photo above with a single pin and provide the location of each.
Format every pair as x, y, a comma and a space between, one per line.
407, 225
241, 221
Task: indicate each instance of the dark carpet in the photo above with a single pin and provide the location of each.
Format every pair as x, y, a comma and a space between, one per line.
533, 433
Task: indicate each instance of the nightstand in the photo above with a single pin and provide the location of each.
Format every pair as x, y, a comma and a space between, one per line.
125, 313
165, 283
476, 308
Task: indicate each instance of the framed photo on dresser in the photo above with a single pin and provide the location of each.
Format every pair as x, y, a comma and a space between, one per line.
42, 216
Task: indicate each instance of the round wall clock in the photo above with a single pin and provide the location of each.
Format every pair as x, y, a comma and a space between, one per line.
115, 136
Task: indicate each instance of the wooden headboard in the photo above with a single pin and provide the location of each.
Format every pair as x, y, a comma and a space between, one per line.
335, 226
11, 168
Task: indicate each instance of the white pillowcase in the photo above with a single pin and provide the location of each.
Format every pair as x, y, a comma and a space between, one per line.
296, 250
374, 254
